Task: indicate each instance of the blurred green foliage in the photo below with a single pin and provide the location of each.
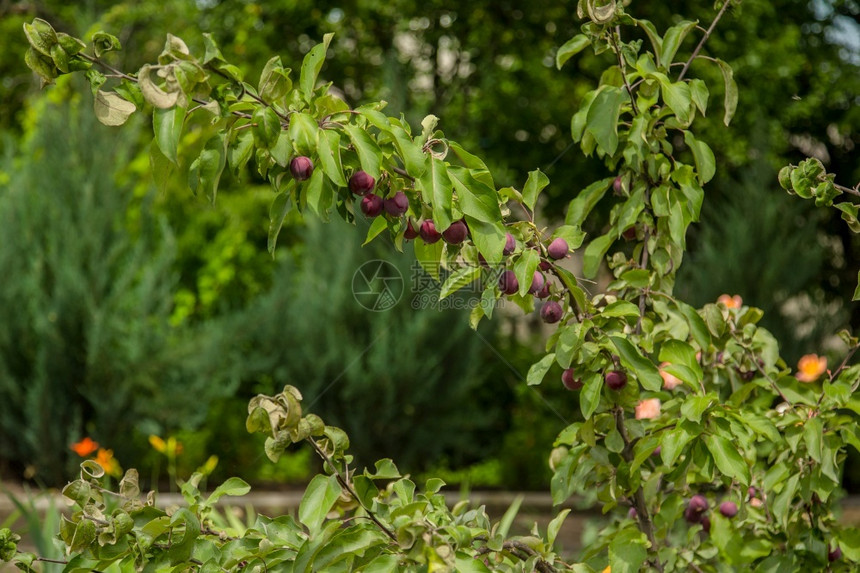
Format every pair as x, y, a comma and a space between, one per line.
86, 348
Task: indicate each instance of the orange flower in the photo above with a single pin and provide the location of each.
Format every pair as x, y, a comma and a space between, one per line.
670, 382
85, 447
648, 409
730, 301
105, 459
810, 367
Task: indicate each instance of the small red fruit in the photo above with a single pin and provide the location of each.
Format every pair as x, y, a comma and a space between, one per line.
618, 185
510, 244
371, 205
729, 508
396, 205
361, 183
615, 379
456, 233
508, 283
537, 283
569, 381
557, 249
429, 233
301, 168
629, 233
834, 554
551, 312
410, 232
544, 266
544, 291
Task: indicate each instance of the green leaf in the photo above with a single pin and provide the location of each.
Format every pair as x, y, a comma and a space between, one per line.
656, 40
555, 526
275, 81
678, 97
539, 369
574, 236
646, 372
627, 551
303, 133
318, 500
329, 155
41, 36
489, 238
524, 269
414, 158
160, 167
477, 199
437, 189
620, 308
181, 549
429, 256
678, 352
602, 119
856, 295
694, 406
570, 49
233, 486
42, 65
474, 163
706, 164
674, 441
699, 93
534, 185
346, 545
458, 279
277, 213
266, 126
311, 66
672, 41
240, 150
205, 171
727, 458
585, 201
731, 96
167, 124
589, 396
698, 328
594, 253
369, 154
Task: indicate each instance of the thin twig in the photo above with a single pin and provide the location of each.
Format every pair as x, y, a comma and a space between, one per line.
345, 484
704, 39
623, 67
645, 523
852, 190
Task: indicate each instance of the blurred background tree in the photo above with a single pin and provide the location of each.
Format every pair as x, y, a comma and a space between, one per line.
487, 69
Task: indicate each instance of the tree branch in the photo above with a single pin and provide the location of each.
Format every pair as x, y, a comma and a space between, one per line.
622, 66
645, 523
345, 484
704, 39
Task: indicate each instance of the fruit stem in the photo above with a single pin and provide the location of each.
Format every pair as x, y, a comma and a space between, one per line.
645, 523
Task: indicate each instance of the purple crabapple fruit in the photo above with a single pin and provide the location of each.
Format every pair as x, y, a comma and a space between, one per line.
632, 513
551, 312
396, 205
618, 184
371, 205
508, 282
834, 554
537, 283
615, 379
571, 383
706, 524
510, 244
729, 508
557, 249
544, 291
410, 232
456, 233
361, 183
428, 232
301, 168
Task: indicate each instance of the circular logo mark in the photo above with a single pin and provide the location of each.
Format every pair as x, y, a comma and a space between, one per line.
377, 285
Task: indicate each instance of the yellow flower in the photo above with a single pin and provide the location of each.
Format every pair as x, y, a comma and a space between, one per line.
731, 301
648, 409
85, 447
670, 382
810, 367
105, 459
